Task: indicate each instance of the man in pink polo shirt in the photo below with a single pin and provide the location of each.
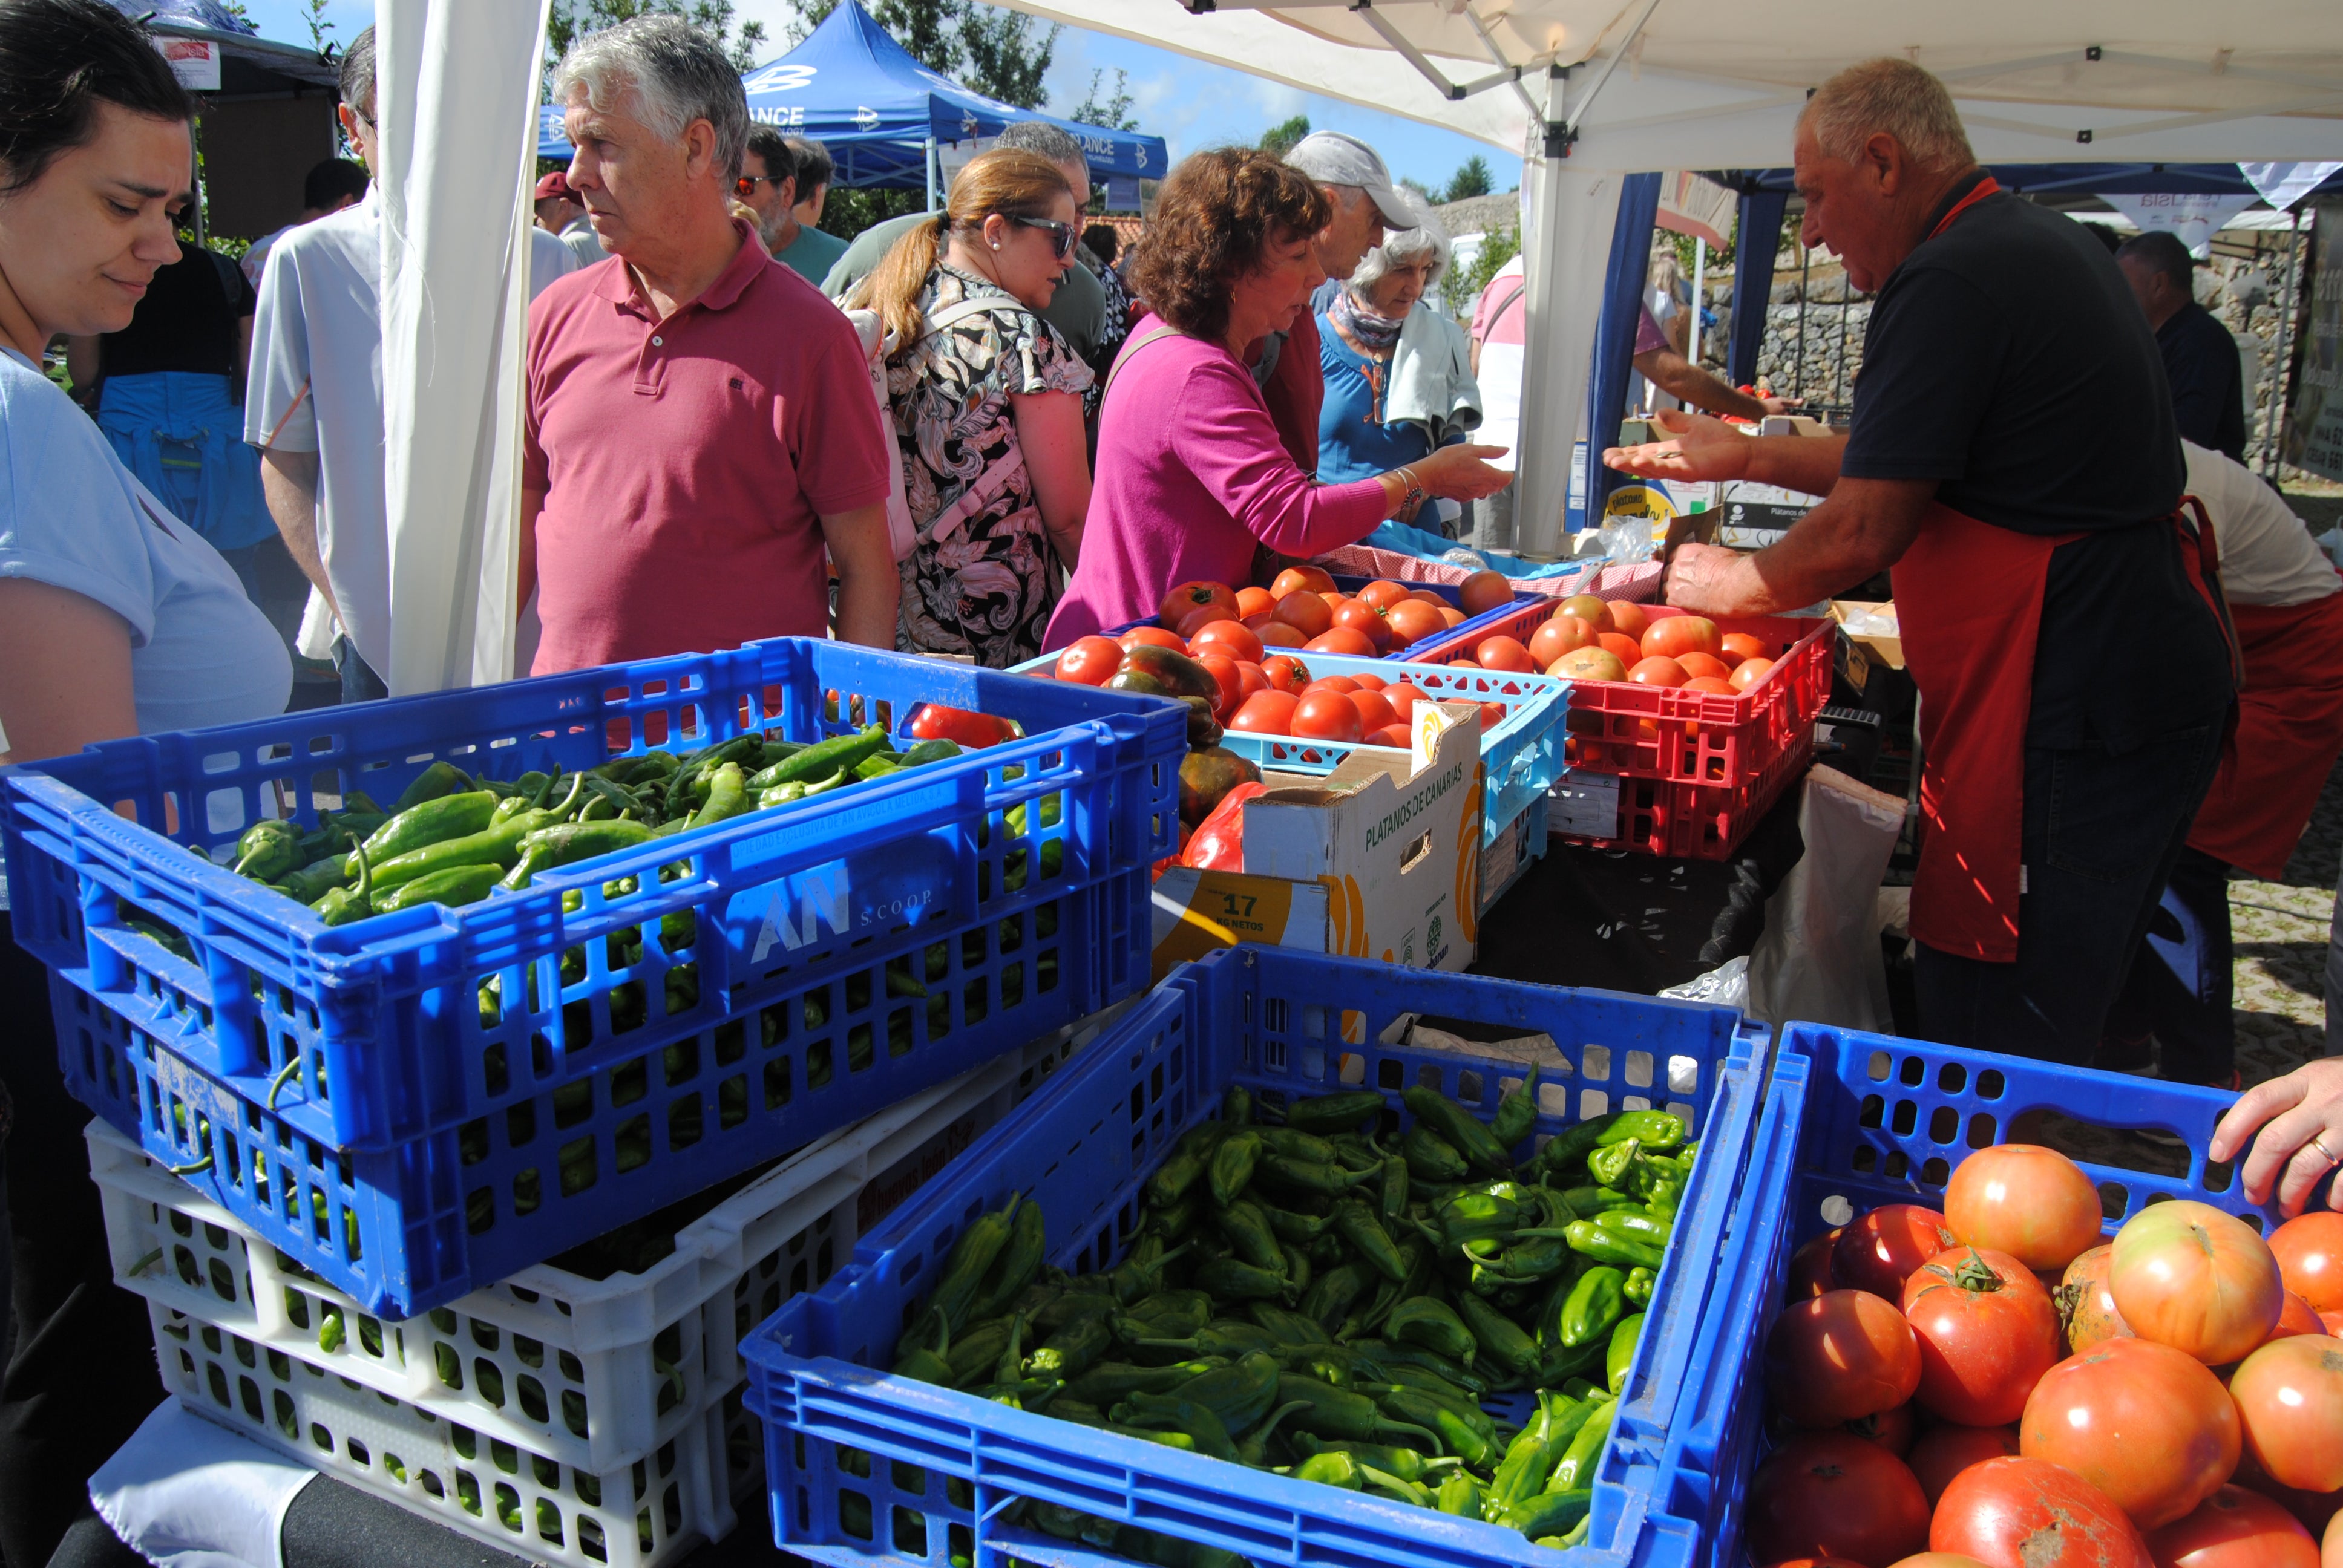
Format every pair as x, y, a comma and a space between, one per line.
701, 426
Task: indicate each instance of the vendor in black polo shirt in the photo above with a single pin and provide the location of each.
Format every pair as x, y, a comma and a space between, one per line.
2200, 357
2013, 458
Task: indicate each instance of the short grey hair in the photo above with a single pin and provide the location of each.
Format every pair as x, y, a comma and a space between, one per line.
673, 73
1058, 147
1404, 248
1895, 96
357, 82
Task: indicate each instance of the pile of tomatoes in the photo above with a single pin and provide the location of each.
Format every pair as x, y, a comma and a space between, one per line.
1304, 610
1992, 1385
1589, 639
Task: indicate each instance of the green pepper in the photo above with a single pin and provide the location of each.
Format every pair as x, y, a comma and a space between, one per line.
438, 780
1394, 1193
1248, 1230
974, 1354
1625, 1252
1189, 1161
1357, 1224
1471, 1442
1298, 1271
343, 905
497, 845
1527, 1261
1407, 1463
1474, 1217
926, 1364
1014, 1268
1521, 1474
1429, 1157
1331, 1296
747, 750
1501, 1338
1236, 1105
454, 887
1338, 1112
1238, 1395
1355, 1154
1620, 1352
1340, 1413
839, 754
1471, 1136
1585, 1202
1576, 1472
1231, 1168
1232, 1280
1075, 1306
1516, 1112
768, 777
317, 879
566, 843
1608, 1165
448, 817
1435, 1325
1638, 1289
269, 849
780, 794
1294, 1144
1291, 1329
1333, 1467
1068, 1352
962, 1276
1166, 1315
1550, 1513
1398, 1358
1292, 1227
877, 766
927, 751
1225, 1337
1594, 1303
1107, 1383
1142, 1272
1459, 1495
1301, 1176
1206, 1433
727, 796
1635, 1226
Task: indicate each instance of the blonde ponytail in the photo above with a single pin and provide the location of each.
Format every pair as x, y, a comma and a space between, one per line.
1006, 180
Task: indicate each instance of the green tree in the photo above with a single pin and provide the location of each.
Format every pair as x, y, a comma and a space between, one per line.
1462, 285
1471, 179
570, 20
1006, 60
1280, 138
1113, 110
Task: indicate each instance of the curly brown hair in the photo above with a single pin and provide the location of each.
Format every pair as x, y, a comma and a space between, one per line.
1214, 221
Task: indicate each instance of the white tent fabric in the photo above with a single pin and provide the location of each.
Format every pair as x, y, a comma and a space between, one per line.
457, 86
1716, 84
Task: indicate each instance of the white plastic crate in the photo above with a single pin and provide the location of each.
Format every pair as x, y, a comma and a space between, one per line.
587, 1373
653, 1511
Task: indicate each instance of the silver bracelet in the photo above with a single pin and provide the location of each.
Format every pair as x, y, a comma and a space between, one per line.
1414, 495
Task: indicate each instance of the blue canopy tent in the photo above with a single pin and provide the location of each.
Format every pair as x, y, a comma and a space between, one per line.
882, 114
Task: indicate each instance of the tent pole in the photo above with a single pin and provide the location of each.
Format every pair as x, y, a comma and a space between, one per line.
1699, 271
1805, 281
2274, 431
931, 172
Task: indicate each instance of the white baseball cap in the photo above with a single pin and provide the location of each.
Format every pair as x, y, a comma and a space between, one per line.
1332, 158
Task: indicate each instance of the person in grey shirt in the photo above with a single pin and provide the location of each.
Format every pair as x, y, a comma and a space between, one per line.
1078, 310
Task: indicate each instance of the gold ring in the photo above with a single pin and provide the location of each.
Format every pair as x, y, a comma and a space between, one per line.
2317, 1141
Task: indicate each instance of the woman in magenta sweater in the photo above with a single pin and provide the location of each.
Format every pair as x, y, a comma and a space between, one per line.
1191, 477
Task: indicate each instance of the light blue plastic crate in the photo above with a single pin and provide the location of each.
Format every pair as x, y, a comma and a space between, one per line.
1487, 621
415, 1150
938, 1467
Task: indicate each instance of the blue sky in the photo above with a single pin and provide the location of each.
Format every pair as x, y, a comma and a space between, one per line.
1188, 102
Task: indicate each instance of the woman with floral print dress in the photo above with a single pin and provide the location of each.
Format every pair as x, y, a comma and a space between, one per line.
987, 400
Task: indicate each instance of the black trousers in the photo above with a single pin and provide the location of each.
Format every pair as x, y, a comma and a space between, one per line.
77, 1354
2102, 833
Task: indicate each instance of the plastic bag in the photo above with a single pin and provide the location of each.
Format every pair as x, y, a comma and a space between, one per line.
1819, 957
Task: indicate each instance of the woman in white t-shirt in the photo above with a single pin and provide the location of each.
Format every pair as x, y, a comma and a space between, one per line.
115, 619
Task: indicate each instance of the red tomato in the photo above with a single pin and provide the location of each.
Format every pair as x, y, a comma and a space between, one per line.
975, 731
1452, 616
2289, 1397
1735, 645
2333, 1319
1704, 666
1891, 1430
1880, 1251
2187, 1275
1342, 683
1383, 593
1328, 716
1196, 620
1412, 620
1462, 664
2089, 1306
2296, 1317
2309, 1253
1621, 647
2031, 1202
2234, 1528
1402, 697
1561, 634
1090, 660
1492, 713
1426, 596
1252, 679
1592, 608
1829, 1493
1394, 735
1629, 621
1286, 673
1367, 621
1335, 599
1349, 642
2146, 1425
1374, 710
1669, 636
1189, 598
1277, 634
1367, 682
1150, 637
1482, 592
1267, 712
1507, 653
1588, 664
2315, 1509
1301, 579
2013, 1512
1223, 671
1253, 601
1749, 672
2331, 1545
1657, 670
1304, 612
1988, 1332
1810, 1268
1710, 685
1228, 637
1845, 1353
1948, 1448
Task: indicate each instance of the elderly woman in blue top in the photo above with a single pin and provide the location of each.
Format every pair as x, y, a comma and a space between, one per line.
1399, 375
115, 619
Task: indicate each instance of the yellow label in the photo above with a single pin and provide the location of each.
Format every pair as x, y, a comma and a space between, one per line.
1227, 907
1639, 501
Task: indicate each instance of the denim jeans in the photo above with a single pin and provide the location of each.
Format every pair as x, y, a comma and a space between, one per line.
2101, 835
359, 683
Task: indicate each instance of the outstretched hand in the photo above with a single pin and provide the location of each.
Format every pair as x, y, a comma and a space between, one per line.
1704, 449
2299, 1118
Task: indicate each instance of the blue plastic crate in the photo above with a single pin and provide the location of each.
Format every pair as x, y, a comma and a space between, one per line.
936, 1466
1886, 1120
1521, 756
415, 1150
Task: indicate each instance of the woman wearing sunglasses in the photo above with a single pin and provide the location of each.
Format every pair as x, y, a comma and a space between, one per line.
987, 400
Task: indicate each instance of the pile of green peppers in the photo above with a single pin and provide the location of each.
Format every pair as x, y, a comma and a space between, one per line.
453, 840
1308, 1297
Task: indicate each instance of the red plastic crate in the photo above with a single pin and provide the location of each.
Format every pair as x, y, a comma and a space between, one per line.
1697, 821
1661, 733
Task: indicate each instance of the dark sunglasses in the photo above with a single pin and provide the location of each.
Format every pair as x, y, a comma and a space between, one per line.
746, 186
1063, 237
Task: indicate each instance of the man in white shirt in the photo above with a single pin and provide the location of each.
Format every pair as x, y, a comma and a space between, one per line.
560, 213
327, 188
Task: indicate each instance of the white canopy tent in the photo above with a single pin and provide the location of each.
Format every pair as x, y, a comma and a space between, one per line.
1591, 90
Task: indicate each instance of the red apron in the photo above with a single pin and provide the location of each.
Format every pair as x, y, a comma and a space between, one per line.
1968, 599
2289, 731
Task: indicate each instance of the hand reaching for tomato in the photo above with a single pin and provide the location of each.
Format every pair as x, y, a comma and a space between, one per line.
2301, 1123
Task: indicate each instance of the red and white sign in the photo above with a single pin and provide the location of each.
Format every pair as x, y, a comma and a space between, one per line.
195, 61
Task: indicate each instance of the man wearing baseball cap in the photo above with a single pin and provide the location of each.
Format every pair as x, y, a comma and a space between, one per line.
561, 214
1286, 365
